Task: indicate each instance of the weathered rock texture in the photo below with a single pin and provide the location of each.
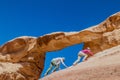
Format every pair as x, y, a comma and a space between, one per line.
23, 58
104, 65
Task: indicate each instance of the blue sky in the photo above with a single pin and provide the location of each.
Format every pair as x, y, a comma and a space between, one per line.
39, 17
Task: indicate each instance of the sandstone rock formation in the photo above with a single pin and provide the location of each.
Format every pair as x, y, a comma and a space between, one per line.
104, 65
23, 58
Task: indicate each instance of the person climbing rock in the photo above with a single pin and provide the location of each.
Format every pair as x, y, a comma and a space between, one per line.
56, 64
83, 53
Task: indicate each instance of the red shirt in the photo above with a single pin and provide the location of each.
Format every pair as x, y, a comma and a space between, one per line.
87, 51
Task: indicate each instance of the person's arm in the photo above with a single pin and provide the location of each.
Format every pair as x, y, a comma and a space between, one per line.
63, 63
90, 53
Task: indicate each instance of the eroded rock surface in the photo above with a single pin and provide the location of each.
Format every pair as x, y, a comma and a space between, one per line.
26, 55
104, 65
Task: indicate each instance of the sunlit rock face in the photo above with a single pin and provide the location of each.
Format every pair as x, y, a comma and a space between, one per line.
23, 58
104, 65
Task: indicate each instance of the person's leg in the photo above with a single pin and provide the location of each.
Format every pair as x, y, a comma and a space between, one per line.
49, 69
59, 67
77, 61
85, 56
56, 67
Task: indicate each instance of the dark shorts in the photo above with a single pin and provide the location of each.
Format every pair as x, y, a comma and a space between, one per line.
53, 64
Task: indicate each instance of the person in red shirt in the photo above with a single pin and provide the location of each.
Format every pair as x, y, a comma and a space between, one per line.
83, 53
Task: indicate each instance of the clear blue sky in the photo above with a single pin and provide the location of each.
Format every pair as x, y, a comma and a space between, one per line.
39, 17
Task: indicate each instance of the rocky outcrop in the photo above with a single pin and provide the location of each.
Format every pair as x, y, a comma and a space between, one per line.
20, 59
104, 65
25, 55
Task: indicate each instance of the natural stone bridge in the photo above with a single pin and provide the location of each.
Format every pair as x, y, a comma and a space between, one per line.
23, 58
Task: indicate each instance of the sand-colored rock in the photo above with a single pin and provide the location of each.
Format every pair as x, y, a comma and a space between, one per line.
103, 66
28, 53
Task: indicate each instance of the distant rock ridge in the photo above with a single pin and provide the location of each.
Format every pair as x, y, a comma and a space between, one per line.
28, 53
